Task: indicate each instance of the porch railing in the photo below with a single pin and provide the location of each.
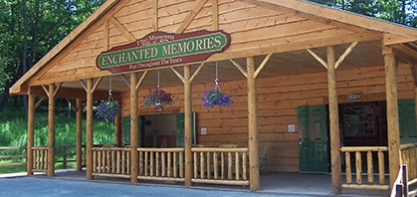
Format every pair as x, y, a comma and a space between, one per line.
367, 152
161, 164
40, 158
220, 166
111, 162
408, 154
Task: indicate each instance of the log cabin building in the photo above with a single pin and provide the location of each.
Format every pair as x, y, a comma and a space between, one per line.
315, 88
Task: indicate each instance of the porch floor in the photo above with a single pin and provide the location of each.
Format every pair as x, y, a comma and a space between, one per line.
274, 183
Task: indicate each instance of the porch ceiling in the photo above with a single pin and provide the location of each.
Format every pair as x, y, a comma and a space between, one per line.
281, 64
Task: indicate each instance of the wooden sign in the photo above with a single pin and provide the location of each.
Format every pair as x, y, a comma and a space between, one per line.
355, 96
162, 49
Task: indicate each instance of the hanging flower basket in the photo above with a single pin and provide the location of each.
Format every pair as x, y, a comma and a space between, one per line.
216, 97
107, 110
156, 97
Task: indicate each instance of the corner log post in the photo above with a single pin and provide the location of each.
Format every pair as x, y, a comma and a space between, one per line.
331, 65
390, 66
51, 131
31, 132
187, 79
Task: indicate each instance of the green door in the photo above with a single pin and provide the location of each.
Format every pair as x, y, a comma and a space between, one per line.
126, 130
407, 121
313, 145
180, 134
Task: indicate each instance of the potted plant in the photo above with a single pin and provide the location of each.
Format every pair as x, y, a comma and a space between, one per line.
107, 110
216, 97
156, 97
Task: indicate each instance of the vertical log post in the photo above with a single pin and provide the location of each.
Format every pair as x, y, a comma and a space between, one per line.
78, 131
254, 177
51, 131
392, 114
31, 132
188, 125
414, 74
334, 122
89, 127
117, 129
134, 128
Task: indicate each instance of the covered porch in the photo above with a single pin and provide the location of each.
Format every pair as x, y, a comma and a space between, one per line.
312, 62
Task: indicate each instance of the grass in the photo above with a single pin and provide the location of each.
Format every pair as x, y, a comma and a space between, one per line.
13, 132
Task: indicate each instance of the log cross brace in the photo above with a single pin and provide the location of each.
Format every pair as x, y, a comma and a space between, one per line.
339, 61
47, 92
192, 77
258, 70
94, 86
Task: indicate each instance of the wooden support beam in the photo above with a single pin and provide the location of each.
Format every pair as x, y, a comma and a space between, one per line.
39, 102
155, 15
259, 69
51, 131
106, 35
392, 113
141, 80
188, 125
31, 133
57, 89
122, 30
214, 15
240, 68
322, 62
190, 16
78, 133
345, 54
196, 72
89, 127
254, 177
334, 122
134, 141
83, 85
125, 80
46, 90
96, 84
178, 74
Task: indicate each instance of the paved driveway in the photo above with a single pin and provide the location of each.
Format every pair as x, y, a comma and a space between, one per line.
51, 187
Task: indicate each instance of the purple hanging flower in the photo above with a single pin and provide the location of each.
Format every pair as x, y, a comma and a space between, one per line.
216, 97
156, 97
107, 110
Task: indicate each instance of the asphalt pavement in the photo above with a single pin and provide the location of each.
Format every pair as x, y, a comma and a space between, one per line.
51, 187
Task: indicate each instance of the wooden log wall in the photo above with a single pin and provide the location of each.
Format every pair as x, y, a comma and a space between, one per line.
278, 99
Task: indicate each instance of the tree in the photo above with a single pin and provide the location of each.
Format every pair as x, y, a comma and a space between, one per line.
48, 22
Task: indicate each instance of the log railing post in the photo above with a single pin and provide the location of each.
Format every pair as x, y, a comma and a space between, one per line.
253, 126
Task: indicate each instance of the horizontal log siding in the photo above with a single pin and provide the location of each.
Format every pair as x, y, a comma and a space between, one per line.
278, 99
248, 25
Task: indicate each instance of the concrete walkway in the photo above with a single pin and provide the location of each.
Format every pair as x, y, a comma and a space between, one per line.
281, 184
